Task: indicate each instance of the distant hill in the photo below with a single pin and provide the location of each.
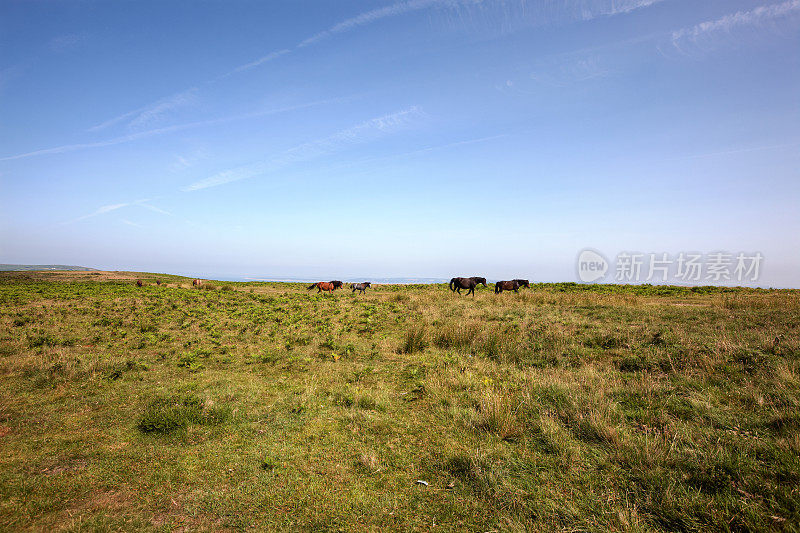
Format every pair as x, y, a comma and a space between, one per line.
391, 281
43, 267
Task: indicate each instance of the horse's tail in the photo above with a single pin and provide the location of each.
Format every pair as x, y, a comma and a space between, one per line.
497, 287
312, 286
453, 284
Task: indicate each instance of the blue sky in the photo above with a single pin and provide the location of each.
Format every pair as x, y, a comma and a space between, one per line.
420, 138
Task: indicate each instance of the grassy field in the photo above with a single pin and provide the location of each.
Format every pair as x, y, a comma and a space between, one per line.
264, 406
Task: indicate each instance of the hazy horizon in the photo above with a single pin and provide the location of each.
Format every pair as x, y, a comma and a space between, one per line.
399, 139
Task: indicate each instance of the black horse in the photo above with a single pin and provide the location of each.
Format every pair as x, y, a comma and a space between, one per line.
512, 285
361, 287
523, 282
337, 284
456, 284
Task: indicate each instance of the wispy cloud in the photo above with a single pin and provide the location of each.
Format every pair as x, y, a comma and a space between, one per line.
568, 71
144, 203
155, 209
741, 19
458, 143
374, 15
161, 131
151, 114
426, 150
740, 150
360, 133
99, 211
257, 62
616, 7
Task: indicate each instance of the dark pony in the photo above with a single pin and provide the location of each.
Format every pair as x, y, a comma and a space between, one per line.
501, 286
456, 284
138, 283
523, 282
327, 286
158, 282
361, 287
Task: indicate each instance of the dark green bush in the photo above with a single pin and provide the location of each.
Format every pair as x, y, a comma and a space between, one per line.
415, 339
167, 414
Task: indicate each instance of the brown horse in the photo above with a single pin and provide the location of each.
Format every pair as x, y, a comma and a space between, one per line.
501, 286
196, 283
327, 286
138, 283
158, 282
456, 284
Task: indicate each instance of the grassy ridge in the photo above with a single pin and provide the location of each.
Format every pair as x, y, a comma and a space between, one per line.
265, 405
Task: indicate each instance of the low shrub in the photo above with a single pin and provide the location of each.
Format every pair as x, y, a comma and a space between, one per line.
167, 414
415, 339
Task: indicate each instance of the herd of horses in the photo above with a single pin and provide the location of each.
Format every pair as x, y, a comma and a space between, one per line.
456, 284
330, 286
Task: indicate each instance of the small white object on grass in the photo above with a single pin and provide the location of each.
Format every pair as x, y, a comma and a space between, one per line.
421, 482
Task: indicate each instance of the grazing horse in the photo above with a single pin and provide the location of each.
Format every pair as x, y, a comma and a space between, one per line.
158, 282
138, 283
361, 287
327, 286
337, 284
456, 284
501, 286
196, 283
523, 282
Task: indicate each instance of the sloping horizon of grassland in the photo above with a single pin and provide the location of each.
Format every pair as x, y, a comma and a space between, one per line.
245, 278
22, 268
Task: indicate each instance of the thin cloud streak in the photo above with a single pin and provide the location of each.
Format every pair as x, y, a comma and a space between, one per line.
420, 151
754, 17
358, 134
593, 10
739, 150
257, 62
143, 203
160, 131
155, 209
99, 211
626, 6
147, 115
151, 113
154, 113
452, 145
374, 15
